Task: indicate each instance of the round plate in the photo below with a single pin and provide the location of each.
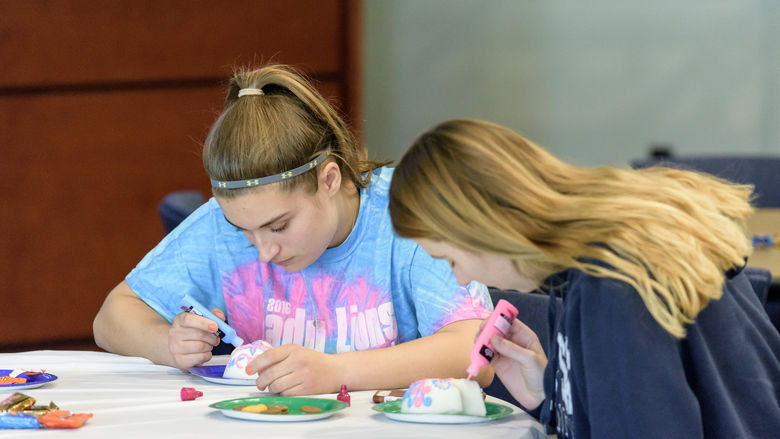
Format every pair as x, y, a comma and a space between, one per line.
392, 409
293, 403
33, 381
214, 375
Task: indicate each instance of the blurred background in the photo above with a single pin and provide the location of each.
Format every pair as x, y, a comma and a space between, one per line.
596, 82
104, 105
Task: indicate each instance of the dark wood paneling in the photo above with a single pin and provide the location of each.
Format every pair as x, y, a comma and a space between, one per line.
83, 180
100, 41
103, 112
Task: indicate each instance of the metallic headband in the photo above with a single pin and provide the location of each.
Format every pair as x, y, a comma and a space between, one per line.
262, 181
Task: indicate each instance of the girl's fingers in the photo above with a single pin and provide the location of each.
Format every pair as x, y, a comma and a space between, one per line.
190, 320
218, 312
180, 333
524, 336
511, 350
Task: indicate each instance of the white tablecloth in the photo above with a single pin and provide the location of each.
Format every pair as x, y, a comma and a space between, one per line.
131, 397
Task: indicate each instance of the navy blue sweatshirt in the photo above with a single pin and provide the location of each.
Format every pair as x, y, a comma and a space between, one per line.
614, 372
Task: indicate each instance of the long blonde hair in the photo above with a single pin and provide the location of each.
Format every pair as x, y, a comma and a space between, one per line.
670, 234
285, 127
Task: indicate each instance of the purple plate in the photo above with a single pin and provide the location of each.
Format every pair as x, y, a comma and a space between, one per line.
33, 381
214, 375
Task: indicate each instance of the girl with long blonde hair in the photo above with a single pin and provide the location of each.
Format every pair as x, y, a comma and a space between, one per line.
660, 334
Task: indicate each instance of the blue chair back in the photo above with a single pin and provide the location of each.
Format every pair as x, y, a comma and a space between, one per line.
178, 205
763, 172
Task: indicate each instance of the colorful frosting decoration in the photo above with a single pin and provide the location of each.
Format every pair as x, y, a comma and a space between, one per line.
241, 357
444, 396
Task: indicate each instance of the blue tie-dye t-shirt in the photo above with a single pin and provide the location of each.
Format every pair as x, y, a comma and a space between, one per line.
372, 291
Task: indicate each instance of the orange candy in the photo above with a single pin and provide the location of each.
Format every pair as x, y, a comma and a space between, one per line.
5, 380
64, 419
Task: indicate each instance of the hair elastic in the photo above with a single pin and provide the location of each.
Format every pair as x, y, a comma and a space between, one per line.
250, 91
262, 181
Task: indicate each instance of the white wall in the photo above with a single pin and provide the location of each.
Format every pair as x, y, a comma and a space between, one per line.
595, 82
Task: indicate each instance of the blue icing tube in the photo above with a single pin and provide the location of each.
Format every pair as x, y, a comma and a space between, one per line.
225, 332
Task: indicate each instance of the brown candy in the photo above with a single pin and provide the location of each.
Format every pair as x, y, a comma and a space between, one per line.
40, 410
17, 402
276, 409
310, 409
388, 395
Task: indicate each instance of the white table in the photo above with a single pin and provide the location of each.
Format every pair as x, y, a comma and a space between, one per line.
131, 397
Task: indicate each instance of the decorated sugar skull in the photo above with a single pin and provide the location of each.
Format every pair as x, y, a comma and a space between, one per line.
241, 357
444, 396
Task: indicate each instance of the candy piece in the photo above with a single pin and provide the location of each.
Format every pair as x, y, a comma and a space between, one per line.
388, 395
310, 409
241, 357
343, 395
14, 420
444, 396
64, 419
6, 380
40, 410
276, 409
188, 394
239, 407
18, 420
257, 408
16, 402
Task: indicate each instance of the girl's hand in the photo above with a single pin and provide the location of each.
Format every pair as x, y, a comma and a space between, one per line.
191, 338
292, 370
520, 363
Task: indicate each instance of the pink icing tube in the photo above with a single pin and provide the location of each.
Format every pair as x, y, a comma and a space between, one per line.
499, 323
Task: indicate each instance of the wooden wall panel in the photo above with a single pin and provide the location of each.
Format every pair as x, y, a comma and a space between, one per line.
91, 139
78, 41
